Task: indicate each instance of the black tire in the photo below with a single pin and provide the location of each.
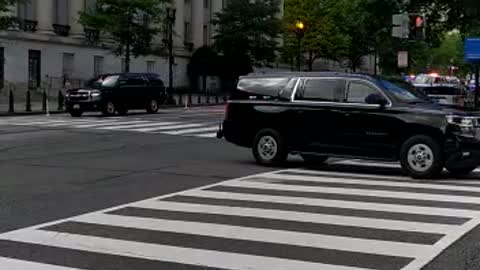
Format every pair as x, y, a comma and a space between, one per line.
122, 111
109, 109
76, 113
153, 106
461, 171
426, 157
278, 152
314, 159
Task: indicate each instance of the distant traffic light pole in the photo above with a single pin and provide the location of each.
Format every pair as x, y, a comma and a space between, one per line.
300, 32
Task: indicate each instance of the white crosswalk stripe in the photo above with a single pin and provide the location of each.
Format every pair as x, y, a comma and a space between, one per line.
278, 220
176, 127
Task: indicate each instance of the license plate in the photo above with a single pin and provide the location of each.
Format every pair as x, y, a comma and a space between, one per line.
76, 106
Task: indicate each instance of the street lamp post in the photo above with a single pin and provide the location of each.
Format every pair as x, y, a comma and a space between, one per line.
171, 58
299, 32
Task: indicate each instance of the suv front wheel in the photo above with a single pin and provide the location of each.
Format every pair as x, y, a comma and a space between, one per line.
153, 106
269, 148
109, 109
421, 157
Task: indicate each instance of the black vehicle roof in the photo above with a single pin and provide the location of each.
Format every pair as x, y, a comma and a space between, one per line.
309, 74
128, 73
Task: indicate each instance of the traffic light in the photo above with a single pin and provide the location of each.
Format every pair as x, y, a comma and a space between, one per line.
417, 26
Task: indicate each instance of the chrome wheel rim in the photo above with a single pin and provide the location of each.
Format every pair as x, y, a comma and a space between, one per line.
267, 148
420, 157
110, 108
153, 105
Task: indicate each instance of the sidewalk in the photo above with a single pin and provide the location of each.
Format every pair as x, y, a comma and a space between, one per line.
194, 100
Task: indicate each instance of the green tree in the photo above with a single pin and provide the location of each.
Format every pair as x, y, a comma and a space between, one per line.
6, 20
248, 30
132, 24
368, 27
322, 38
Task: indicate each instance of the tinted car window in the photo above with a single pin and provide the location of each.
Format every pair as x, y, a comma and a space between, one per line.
322, 90
133, 80
358, 92
263, 86
108, 81
155, 80
402, 91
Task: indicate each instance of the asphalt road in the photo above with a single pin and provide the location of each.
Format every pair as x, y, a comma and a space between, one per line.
159, 192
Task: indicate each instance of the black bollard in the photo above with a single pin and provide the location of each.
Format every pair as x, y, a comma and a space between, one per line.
189, 98
208, 98
61, 100
216, 99
11, 102
44, 101
28, 106
199, 99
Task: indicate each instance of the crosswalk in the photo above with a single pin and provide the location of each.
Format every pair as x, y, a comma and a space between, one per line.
205, 128
290, 219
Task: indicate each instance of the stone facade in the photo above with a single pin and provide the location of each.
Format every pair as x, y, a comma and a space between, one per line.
50, 43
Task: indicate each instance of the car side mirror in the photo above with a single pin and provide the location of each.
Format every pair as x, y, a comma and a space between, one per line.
376, 99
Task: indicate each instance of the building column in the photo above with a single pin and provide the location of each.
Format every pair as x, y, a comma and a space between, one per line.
45, 16
76, 29
197, 23
217, 7
179, 22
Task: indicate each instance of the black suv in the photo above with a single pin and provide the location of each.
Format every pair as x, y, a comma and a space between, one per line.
321, 115
111, 93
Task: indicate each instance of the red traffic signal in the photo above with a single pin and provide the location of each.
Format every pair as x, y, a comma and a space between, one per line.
419, 21
417, 26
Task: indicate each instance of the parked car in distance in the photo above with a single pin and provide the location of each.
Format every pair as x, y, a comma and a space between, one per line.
449, 94
322, 115
117, 93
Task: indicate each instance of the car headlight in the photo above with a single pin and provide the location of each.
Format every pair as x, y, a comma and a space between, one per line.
95, 94
462, 121
466, 125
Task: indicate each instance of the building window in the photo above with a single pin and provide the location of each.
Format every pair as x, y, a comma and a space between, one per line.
98, 62
26, 10
188, 21
205, 34
2, 67
68, 60
34, 68
206, 3
188, 32
61, 12
151, 67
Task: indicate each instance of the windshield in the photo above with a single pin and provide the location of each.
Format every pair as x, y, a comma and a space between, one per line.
402, 91
106, 81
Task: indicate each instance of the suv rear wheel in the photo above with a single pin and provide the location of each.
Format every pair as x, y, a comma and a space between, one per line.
421, 156
109, 109
152, 106
269, 148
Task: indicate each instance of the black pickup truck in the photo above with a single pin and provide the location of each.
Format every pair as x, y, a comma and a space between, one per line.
322, 115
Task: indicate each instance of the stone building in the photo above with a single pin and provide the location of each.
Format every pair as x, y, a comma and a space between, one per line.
50, 43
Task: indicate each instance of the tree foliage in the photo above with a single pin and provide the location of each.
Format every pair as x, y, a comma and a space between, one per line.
322, 37
132, 24
248, 31
6, 19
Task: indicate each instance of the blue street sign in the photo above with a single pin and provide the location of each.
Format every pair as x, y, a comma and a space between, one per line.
472, 50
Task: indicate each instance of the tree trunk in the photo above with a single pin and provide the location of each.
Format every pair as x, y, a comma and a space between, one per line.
127, 56
311, 59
